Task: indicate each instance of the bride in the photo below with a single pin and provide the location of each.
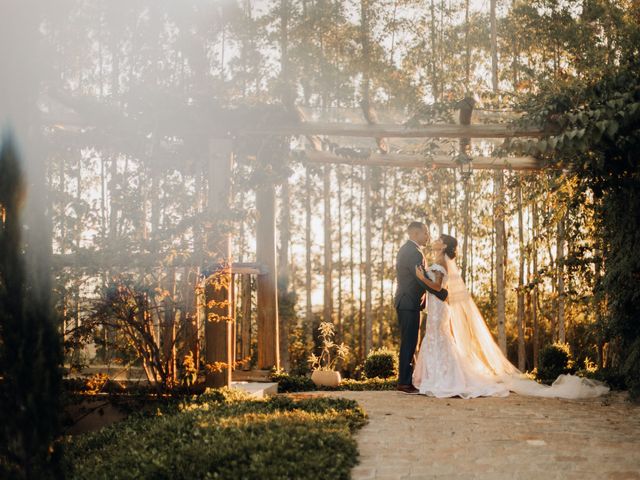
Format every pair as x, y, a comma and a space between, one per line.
458, 356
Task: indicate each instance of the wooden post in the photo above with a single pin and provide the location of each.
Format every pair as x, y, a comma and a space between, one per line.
217, 291
234, 326
466, 110
267, 314
246, 319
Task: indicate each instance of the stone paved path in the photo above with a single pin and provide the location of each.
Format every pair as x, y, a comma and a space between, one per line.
413, 437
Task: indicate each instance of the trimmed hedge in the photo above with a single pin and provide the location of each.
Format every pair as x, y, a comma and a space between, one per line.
293, 383
555, 360
362, 385
381, 363
225, 435
300, 383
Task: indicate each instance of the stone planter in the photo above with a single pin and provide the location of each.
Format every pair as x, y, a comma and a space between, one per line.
326, 378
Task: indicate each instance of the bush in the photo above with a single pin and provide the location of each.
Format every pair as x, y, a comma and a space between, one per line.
369, 384
381, 363
554, 360
222, 436
288, 383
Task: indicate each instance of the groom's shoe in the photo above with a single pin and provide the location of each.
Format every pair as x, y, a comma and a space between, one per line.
410, 389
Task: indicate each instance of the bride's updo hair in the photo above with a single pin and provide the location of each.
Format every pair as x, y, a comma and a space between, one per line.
452, 245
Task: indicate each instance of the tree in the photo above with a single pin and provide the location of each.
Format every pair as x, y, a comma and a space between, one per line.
30, 345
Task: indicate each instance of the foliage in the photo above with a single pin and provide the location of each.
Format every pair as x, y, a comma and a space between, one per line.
381, 363
131, 192
288, 383
598, 138
300, 383
30, 345
130, 309
369, 384
298, 350
221, 437
189, 374
555, 360
324, 361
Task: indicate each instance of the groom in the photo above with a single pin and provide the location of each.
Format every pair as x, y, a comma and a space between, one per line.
410, 298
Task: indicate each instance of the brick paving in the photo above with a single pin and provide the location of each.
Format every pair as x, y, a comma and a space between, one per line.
417, 437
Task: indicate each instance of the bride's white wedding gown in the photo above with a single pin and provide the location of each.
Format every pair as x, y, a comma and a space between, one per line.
459, 357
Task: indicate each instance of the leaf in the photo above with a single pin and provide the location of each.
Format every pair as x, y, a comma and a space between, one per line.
612, 129
602, 125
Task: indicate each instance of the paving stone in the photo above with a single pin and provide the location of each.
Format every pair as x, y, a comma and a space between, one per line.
416, 437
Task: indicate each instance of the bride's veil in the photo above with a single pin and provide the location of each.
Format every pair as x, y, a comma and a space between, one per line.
475, 342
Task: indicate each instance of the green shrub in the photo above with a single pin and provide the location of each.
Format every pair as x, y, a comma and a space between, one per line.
369, 384
555, 360
224, 435
288, 383
381, 363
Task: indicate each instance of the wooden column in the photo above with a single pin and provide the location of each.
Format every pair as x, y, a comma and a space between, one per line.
217, 291
246, 320
267, 314
466, 110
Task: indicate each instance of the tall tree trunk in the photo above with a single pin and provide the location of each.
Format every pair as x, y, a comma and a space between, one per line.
284, 275
560, 247
499, 205
361, 270
327, 314
499, 213
494, 46
467, 56
521, 344
381, 315
466, 227
364, 35
534, 293
340, 335
434, 56
352, 234
308, 276
368, 267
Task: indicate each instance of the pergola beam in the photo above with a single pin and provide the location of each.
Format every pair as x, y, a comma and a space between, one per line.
395, 131
101, 260
420, 161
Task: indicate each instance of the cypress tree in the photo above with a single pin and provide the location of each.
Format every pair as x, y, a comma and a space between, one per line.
30, 346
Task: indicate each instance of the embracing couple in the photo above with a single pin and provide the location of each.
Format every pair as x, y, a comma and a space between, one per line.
458, 355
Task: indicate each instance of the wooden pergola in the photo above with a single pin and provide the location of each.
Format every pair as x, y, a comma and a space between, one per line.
218, 335
264, 127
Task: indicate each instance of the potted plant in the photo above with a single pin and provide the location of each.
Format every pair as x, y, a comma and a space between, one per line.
323, 365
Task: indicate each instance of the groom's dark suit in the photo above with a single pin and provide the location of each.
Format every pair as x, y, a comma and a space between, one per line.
409, 299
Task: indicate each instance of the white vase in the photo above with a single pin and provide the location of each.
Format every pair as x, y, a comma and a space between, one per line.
326, 378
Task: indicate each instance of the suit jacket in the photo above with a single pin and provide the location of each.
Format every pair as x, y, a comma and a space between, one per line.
410, 291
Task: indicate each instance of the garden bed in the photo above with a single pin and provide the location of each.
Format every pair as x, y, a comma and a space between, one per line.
224, 434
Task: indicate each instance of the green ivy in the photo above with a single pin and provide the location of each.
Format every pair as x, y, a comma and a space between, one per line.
594, 133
